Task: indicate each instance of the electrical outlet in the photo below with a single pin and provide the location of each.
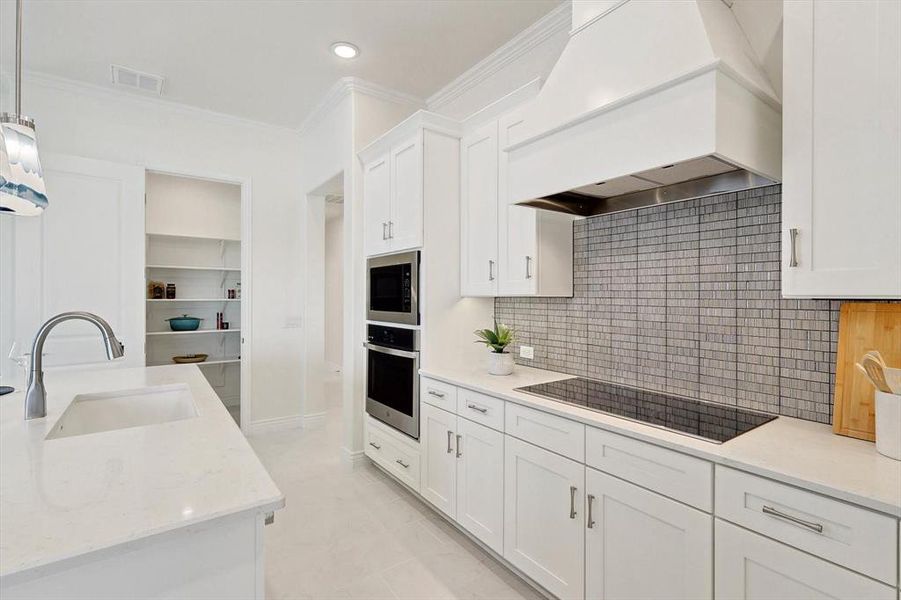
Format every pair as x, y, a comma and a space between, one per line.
526, 352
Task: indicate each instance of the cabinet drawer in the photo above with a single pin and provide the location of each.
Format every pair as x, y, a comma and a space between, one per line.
404, 464
437, 393
387, 448
845, 534
679, 476
487, 410
548, 431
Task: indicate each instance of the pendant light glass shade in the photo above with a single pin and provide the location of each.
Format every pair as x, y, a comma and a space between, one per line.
22, 190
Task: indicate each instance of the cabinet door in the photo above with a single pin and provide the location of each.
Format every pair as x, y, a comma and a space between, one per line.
439, 462
623, 523
376, 198
480, 482
543, 522
405, 222
478, 212
517, 225
752, 567
841, 149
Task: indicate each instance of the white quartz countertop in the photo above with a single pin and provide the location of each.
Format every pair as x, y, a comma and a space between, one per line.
794, 451
66, 497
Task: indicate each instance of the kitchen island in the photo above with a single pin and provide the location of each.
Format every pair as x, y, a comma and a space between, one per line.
172, 509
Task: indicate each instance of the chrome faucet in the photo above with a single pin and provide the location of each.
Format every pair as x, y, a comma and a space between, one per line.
36, 396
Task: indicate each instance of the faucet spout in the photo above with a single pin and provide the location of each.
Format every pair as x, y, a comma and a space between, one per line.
36, 395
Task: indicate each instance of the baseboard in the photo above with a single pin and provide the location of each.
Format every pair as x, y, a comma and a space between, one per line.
275, 424
353, 458
314, 420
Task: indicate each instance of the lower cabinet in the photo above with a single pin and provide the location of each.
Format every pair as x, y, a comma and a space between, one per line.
463, 473
639, 544
543, 520
480, 482
750, 566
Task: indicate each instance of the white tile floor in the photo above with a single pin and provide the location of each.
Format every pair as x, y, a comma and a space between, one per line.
358, 534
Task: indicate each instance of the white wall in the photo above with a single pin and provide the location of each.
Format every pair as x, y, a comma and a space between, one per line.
328, 148
334, 285
188, 206
120, 127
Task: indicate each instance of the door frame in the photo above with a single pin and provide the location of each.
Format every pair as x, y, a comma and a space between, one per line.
246, 273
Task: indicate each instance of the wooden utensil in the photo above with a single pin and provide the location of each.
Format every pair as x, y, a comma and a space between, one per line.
863, 327
875, 374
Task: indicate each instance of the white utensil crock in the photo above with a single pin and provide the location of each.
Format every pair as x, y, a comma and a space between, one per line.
500, 363
888, 424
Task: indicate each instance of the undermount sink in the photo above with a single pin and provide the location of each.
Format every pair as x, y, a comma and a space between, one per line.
105, 411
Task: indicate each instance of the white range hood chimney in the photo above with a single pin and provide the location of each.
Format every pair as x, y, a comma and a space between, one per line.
651, 101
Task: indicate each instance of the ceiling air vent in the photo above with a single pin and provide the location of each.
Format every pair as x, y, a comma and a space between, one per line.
136, 80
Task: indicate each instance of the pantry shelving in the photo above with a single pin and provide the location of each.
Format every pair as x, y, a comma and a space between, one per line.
193, 243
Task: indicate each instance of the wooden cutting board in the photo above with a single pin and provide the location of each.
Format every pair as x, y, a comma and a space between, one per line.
862, 326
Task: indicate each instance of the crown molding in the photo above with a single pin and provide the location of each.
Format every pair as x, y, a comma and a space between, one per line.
79, 87
346, 85
559, 19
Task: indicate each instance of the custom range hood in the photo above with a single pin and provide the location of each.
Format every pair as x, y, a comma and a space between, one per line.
651, 101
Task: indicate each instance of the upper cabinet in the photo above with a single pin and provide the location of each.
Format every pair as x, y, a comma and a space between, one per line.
395, 182
392, 198
841, 202
507, 250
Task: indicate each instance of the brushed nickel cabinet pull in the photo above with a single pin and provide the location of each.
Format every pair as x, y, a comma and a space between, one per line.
490, 270
590, 518
793, 258
374, 445
402, 463
436, 394
384, 231
450, 441
484, 411
572, 502
459, 451
390, 230
528, 267
769, 510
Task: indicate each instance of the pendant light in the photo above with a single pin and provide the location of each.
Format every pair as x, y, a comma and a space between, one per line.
22, 190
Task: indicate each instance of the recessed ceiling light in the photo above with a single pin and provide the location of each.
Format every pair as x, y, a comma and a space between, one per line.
345, 50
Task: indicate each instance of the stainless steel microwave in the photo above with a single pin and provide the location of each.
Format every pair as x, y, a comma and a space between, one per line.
392, 288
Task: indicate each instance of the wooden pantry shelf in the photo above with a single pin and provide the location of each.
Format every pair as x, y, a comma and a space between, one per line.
156, 333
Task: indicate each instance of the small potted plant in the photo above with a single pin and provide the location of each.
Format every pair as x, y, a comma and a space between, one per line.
500, 362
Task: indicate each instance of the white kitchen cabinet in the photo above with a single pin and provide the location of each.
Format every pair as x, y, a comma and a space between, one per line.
463, 473
543, 521
507, 250
639, 544
439, 461
478, 211
841, 195
405, 222
752, 567
535, 247
376, 205
480, 482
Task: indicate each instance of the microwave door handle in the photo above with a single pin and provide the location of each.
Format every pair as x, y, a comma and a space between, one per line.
391, 351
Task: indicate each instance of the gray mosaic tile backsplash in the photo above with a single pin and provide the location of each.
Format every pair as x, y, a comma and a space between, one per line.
685, 298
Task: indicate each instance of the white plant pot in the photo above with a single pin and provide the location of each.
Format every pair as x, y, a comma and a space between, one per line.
500, 363
888, 424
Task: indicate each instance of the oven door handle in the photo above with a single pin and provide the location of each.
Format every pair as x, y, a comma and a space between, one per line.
391, 351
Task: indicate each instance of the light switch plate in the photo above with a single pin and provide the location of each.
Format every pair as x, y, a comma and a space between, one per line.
526, 352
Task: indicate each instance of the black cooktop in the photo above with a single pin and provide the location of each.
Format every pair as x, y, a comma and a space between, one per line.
706, 420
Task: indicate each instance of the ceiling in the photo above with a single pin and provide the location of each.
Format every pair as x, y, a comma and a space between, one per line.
268, 60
